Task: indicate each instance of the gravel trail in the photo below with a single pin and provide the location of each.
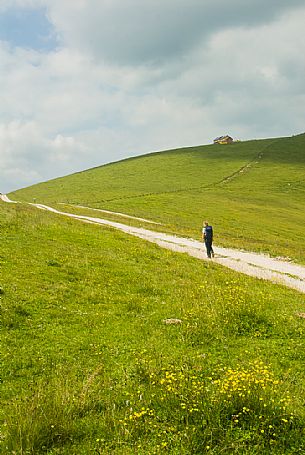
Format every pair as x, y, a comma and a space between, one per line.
257, 265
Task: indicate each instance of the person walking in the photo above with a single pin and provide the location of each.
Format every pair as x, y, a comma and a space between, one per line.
207, 237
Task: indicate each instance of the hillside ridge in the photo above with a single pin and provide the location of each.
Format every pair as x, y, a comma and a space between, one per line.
242, 188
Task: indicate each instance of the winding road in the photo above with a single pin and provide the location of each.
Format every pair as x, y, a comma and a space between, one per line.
252, 264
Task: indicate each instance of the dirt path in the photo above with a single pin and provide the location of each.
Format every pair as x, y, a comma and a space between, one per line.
253, 264
112, 213
6, 199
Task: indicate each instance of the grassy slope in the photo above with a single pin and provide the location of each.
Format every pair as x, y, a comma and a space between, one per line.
85, 348
261, 208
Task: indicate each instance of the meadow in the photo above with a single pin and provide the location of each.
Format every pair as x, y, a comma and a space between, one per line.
111, 345
253, 192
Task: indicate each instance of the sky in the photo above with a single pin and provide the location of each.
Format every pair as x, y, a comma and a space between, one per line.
87, 82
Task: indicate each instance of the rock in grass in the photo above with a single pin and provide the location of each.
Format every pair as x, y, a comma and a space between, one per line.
1, 290
172, 321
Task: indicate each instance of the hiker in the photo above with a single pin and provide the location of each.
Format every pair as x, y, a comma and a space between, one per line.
207, 237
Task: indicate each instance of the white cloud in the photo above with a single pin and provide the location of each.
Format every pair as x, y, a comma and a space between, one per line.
134, 31
12, 4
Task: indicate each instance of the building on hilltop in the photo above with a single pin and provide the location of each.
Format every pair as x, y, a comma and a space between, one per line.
223, 140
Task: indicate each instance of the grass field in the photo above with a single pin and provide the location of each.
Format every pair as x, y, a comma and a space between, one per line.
89, 365
252, 192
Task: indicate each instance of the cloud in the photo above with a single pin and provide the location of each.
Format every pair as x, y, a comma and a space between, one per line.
137, 32
6, 5
20, 145
28, 155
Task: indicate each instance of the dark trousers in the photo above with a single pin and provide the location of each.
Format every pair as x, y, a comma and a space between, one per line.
208, 245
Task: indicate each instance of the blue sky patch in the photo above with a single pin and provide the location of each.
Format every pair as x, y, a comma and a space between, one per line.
28, 28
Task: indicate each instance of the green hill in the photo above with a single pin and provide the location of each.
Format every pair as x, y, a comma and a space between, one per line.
112, 345
252, 192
